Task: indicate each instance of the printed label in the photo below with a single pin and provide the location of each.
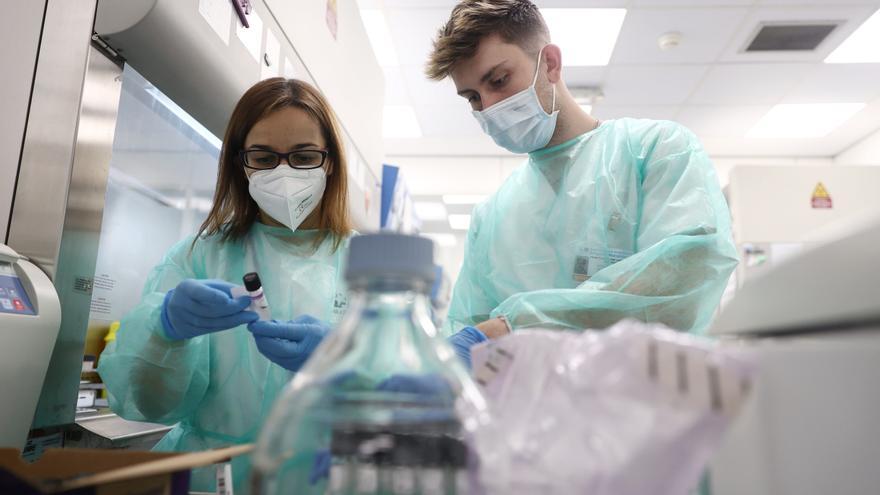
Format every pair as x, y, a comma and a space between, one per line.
590, 261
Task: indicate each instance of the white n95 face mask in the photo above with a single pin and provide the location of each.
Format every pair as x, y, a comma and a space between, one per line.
287, 194
519, 123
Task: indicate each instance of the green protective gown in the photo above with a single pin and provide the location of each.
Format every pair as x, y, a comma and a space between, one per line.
625, 221
218, 388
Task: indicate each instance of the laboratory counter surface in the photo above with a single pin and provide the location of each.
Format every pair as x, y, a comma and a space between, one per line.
103, 429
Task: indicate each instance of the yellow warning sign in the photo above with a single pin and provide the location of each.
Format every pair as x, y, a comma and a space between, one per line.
821, 199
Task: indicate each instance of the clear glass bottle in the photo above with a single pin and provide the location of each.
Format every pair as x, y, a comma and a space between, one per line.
383, 406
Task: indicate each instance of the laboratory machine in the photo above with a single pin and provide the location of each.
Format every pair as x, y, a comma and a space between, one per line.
30, 316
811, 325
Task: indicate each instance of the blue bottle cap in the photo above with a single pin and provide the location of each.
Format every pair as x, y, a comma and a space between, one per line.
385, 255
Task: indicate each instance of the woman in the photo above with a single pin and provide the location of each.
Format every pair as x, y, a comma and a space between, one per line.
190, 353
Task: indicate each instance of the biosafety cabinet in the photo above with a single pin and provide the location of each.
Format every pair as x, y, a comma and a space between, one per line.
113, 114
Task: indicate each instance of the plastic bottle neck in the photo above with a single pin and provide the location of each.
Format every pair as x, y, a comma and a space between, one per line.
395, 302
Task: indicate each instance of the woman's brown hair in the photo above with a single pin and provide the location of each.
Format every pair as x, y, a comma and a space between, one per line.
234, 211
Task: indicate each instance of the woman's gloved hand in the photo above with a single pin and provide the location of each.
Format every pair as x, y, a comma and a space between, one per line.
289, 344
198, 307
464, 340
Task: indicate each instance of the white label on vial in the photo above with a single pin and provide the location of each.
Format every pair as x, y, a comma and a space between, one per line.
403, 481
367, 479
259, 306
224, 479
432, 481
339, 478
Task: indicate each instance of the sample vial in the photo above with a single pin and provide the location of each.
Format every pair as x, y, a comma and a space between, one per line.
259, 304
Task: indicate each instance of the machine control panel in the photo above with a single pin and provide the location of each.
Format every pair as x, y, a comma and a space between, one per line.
13, 298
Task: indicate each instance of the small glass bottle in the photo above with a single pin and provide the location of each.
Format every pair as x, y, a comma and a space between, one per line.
383, 397
254, 287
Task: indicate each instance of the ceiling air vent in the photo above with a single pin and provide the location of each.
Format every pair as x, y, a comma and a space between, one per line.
790, 37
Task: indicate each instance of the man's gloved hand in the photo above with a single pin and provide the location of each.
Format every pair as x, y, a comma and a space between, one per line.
429, 385
320, 466
289, 344
464, 340
198, 307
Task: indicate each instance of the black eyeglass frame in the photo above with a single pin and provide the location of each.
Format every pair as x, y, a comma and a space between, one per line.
242, 155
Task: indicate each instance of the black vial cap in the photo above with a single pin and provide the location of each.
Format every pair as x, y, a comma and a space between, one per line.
252, 282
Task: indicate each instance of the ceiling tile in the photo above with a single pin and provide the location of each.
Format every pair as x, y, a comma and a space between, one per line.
817, 2
860, 126
691, 3
395, 87
421, 4
705, 35
592, 4
424, 91
584, 76
838, 83
657, 112
732, 121
413, 31
651, 85
748, 84
447, 121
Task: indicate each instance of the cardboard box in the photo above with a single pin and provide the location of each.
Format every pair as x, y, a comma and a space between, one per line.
105, 472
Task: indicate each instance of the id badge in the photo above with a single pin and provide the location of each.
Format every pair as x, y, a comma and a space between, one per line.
340, 305
590, 261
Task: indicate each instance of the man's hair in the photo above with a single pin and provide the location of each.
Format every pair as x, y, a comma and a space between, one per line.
516, 21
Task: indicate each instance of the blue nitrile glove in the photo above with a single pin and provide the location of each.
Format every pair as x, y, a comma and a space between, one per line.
427, 385
290, 343
464, 340
197, 307
320, 467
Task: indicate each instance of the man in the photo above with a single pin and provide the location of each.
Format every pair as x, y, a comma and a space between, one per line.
605, 221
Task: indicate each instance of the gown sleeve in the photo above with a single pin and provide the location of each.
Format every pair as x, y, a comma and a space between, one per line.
148, 376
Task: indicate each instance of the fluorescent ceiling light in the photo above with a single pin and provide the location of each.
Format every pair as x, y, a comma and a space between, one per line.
587, 108
430, 210
460, 222
463, 199
380, 37
443, 239
862, 47
811, 120
399, 121
585, 36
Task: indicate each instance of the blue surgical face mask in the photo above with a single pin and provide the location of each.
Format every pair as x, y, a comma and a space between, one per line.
519, 122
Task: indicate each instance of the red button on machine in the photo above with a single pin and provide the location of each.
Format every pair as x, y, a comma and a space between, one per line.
19, 306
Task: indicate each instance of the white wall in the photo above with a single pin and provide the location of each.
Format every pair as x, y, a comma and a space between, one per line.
724, 165
18, 54
772, 204
865, 152
344, 68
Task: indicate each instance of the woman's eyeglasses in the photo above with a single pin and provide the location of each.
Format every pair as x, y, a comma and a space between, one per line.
300, 159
